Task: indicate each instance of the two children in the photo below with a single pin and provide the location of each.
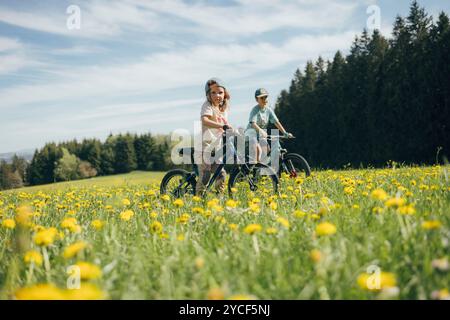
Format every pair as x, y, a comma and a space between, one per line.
214, 122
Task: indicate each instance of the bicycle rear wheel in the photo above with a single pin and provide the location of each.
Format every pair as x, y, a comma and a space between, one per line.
177, 183
258, 180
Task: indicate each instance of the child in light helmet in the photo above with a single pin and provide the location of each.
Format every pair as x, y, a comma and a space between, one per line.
214, 121
260, 117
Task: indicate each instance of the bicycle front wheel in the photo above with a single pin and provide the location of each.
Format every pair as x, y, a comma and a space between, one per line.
177, 183
258, 180
294, 165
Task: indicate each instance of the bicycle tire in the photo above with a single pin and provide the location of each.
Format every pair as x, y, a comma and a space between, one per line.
301, 164
184, 175
237, 173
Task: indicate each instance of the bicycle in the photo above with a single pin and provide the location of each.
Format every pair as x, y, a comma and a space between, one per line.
244, 176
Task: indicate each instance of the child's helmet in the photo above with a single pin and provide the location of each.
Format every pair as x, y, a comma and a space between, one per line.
261, 92
212, 81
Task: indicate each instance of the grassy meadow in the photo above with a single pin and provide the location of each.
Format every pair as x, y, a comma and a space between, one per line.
352, 234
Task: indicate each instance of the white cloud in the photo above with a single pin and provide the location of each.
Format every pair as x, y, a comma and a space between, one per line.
175, 69
11, 63
8, 44
77, 50
99, 19
250, 17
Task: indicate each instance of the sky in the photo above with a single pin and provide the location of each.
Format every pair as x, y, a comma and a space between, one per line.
84, 69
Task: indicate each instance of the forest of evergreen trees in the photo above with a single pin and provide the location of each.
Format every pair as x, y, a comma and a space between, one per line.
77, 160
386, 100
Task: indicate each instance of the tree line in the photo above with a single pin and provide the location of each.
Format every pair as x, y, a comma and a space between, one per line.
74, 160
388, 99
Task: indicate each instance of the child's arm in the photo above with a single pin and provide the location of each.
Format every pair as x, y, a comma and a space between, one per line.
281, 128
262, 132
206, 121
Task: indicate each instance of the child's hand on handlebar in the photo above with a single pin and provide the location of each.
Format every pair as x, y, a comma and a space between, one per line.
263, 133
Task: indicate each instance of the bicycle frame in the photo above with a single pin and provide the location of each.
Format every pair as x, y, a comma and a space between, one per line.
224, 161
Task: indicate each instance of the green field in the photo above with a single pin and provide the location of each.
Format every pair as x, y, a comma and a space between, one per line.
354, 234
133, 178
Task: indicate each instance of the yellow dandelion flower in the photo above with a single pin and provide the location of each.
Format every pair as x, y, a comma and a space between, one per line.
180, 237
271, 230
395, 202
252, 228
431, 224
126, 215
97, 224
88, 271
215, 294
74, 249
349, 190
407, 210
376, 282
156, 227
273, 205
178, 203
377, 210
233, 226
45, 237
9, 224
67, 223
86, 291
315, 255
153, 214
40, 292
184, 218
242, 297
325, 228
198, 210
75, 228
231, 204
254, 207
126, 202
196, 199
165, 197
33, 256
24, 215
283, 221
299, 214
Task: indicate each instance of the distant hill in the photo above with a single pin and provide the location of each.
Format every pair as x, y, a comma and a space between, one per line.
27, 154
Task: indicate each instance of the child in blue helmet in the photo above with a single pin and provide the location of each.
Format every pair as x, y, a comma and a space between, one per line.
260, 117
214, 121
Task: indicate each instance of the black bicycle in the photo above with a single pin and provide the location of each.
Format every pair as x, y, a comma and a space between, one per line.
245, 177
292, 164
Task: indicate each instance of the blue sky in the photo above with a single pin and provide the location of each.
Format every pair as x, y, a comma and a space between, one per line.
140, 66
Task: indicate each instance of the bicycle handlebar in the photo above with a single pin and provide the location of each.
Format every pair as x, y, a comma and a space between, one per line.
270, 137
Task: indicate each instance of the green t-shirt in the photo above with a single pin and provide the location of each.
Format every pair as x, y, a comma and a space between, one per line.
262, 117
